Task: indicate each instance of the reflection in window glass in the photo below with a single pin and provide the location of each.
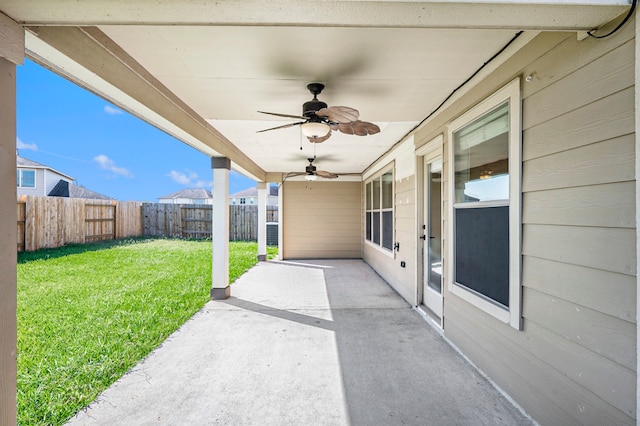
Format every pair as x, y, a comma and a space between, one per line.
482, 158
376, 194
387, 190
387, 230
368, 225
28, 179
376, 227
368, 196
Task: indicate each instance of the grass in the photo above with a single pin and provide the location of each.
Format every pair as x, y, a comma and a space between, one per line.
87, 314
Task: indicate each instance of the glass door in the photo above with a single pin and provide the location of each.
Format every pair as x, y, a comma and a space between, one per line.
432, 250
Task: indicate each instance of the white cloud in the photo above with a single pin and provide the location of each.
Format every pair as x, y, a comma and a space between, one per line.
107, 163
22, 145
111, 110
189, 178
181, 178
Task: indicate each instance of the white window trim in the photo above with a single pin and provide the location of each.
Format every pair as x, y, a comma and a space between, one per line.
513, 314
388, 168
35, 175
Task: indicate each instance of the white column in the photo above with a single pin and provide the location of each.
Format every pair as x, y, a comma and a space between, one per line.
11, 53
262, 221
281, 220
220, 272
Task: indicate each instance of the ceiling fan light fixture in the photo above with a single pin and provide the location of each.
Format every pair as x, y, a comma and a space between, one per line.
310, 177
314, 129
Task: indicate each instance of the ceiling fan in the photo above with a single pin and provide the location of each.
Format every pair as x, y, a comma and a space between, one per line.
320, 119
312, 173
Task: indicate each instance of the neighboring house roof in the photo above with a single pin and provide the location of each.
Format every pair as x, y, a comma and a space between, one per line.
253, 192
192, 193
22, 162
70, 190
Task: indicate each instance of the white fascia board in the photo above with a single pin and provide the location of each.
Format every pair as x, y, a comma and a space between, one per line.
531, 14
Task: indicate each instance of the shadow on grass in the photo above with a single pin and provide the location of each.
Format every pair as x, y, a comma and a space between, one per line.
54, 253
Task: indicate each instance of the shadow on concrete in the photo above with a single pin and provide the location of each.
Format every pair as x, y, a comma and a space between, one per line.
280, 313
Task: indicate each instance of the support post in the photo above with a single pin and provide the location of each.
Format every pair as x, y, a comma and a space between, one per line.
11, 54
262, 221
220, 229
637, 144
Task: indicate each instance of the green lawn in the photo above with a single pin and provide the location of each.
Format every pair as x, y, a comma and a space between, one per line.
87, 314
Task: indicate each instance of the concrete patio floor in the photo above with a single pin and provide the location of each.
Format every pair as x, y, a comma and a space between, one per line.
324, 342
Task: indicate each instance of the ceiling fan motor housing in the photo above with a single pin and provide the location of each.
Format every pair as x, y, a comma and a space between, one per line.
310, 169
309, 108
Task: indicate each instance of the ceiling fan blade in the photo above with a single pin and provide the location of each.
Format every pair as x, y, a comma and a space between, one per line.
360, 128
294, 174
283, 115
314, 139
346, 128
339, 114
326, 175
281, 127
372, 129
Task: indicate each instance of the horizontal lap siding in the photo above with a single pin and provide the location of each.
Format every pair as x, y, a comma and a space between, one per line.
579, 237
574, 361
322, 220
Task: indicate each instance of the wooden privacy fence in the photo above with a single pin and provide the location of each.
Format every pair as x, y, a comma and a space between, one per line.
47, 222
194, 221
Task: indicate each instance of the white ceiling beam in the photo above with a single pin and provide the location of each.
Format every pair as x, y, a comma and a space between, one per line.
496, 14
90, 59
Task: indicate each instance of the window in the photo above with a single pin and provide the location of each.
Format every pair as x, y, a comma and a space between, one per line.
25, 178
243, 201
485, 189
379, 210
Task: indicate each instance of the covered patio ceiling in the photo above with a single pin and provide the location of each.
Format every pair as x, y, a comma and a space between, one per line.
202, 70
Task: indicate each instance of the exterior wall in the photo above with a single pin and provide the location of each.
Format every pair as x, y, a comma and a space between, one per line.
39, 188
574, 362
388, 264
322, 220
51, 179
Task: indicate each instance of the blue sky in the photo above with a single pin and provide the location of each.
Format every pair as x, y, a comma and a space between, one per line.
104, 148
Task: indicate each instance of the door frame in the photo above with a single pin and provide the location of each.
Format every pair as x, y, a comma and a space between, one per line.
425, 154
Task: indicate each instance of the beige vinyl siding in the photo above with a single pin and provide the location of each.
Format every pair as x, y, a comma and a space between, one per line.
322, 219
51, 179
574, 362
